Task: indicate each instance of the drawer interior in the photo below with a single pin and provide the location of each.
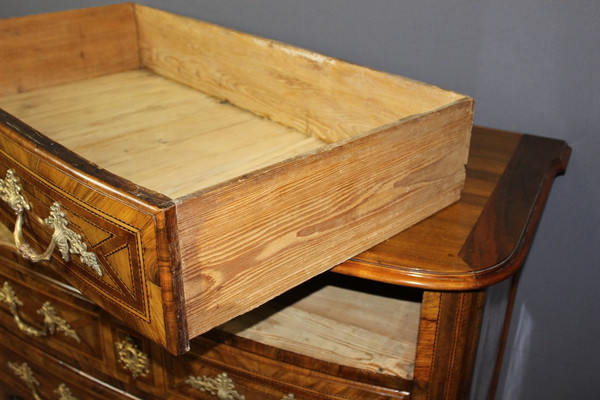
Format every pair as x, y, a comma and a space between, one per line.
177, 105
343, 320
155, 132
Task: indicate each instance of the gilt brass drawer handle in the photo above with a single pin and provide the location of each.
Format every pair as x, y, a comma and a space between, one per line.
68, 241
52, 322
132, 358
222, 386
24, 372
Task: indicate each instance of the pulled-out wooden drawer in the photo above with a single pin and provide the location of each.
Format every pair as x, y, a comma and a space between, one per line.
188, 173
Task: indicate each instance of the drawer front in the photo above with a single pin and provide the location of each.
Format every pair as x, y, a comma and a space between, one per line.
116, 251
28, 373
42, 312
53, 317
213, 381
214, 369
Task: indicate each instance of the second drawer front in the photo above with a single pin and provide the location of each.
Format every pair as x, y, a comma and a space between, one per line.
30, 374
35, 309
52, 317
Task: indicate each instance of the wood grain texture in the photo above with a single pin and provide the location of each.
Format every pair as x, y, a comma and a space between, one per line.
312, 93
378, 185
448, 330
49, 373
34, 289
395, 156
49, 49
92, 356
495, 325
257, 377
157, 133
500, 239
447, 344
484, 237
369, 331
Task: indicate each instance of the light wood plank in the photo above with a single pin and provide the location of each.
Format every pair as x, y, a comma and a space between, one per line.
50, 49
157, 133
276, 229
313, 93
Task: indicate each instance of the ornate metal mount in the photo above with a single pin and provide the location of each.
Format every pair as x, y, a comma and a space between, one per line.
10, 192
132, 358
52, 322
67, 241
24, 372
222, 386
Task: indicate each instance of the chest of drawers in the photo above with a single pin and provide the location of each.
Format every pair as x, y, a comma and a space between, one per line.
190, 172
422, 315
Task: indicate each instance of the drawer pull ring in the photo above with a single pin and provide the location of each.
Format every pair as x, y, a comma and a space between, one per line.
24, 372
64, 392
68, 241
222, 386
52, 322
132, 357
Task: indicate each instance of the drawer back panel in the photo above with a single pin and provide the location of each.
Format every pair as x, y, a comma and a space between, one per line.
50, 49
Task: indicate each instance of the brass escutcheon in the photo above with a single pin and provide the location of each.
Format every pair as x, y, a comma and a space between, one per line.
132, 358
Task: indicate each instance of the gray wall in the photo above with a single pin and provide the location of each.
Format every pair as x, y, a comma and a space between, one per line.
532, 66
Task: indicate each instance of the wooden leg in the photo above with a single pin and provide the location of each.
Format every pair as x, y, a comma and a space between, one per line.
505, 328
447, 345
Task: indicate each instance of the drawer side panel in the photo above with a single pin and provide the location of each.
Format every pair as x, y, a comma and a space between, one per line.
250, 240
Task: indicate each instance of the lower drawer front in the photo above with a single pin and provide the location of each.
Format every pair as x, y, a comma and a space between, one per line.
28, 373
51, 316
213, 382
47, 313
218, 371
